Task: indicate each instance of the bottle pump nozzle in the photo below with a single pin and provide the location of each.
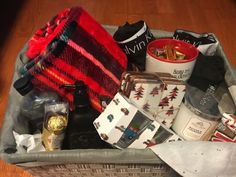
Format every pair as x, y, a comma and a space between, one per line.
81, 98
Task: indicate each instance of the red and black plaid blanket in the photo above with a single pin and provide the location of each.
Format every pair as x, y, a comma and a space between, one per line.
73, 46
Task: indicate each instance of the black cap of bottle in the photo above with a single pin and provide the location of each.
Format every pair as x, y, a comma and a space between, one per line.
23, 85
81, 97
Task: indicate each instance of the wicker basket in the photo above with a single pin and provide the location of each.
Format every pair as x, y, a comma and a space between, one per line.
90, 162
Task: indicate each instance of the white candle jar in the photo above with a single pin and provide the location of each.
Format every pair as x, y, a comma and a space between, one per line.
193, 125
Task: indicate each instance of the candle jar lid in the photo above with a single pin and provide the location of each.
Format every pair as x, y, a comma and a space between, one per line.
215, 116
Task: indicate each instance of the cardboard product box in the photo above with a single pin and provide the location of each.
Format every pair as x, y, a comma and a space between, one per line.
223, 134
123, 125
155, 133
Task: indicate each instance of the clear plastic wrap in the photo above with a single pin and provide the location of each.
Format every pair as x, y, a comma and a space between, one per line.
31, 113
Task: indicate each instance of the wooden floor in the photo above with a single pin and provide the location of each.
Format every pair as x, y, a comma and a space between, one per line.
217, 16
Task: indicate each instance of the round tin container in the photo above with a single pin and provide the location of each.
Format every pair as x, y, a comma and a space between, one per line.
181, 69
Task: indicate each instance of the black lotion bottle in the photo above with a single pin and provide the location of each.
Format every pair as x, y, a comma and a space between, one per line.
81, 133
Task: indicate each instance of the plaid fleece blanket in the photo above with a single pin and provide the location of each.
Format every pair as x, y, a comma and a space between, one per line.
73, 46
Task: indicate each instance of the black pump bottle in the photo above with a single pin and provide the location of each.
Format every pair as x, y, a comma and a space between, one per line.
81, 133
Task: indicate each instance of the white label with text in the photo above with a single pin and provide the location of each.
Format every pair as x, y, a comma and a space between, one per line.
196, 128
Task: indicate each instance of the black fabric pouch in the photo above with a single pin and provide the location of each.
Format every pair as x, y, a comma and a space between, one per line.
133, 40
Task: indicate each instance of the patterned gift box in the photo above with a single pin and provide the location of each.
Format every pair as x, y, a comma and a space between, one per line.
123, 125
158, 94
142, 89
172, 94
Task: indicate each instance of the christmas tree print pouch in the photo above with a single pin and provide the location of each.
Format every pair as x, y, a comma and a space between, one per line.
73, 46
